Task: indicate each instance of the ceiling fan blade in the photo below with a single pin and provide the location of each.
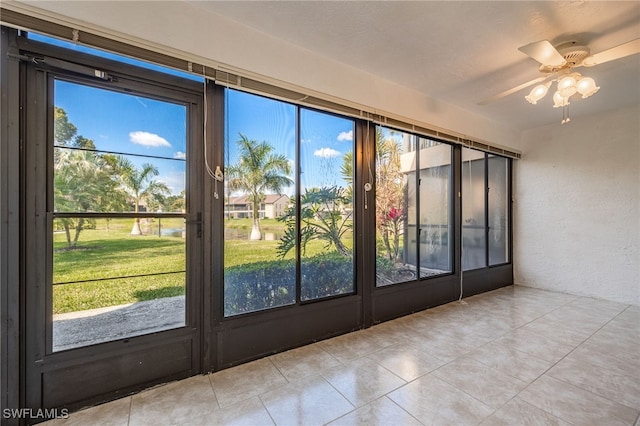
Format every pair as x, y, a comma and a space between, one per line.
513, 90
626, 49
543, 52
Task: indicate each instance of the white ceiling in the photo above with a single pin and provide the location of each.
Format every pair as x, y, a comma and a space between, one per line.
458, 52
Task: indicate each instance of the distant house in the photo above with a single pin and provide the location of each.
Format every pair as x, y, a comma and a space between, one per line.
273, 207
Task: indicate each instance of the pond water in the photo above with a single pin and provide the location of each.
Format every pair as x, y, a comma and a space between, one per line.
229, 233
172, 232
243, 234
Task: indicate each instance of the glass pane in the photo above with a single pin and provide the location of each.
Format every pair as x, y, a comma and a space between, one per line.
396, 219
109, 284
115, 278
91, 118
435, 220
473, 210
326, 205
498, 210
92, 181
260, 146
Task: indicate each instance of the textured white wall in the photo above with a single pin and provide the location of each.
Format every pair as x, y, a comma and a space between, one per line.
577, 207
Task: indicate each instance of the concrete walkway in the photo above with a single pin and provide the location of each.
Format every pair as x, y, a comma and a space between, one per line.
83, 328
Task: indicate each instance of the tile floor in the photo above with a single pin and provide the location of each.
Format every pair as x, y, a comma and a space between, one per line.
513, 356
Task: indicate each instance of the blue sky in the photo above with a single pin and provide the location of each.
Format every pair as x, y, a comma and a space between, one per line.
325, 138
129, 124
138, 125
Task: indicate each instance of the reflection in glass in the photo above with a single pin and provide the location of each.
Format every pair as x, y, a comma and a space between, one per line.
498, 210
473, 210
259, 184
111, 285
413, 193
326, 205
396, 231
435, 192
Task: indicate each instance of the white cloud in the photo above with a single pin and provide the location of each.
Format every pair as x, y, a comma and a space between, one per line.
326, 153
346, 136
148, 139
174, 180
180, 155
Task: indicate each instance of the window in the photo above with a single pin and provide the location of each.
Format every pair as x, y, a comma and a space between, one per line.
119, 165
413, 207
485, 209
473, 210
326, 205
288, 204
498, 210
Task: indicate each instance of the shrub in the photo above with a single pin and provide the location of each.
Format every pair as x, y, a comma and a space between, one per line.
264, 285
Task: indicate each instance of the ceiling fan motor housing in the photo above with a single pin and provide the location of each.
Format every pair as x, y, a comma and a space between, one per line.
573, 55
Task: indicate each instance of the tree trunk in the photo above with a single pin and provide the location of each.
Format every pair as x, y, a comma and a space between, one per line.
67, 231
136, 227
396, 241
79, 229
342, 249
136, 224
255, 230
385, 238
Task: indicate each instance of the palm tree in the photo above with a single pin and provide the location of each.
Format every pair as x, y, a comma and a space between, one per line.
139, 185
258, 170
82, 183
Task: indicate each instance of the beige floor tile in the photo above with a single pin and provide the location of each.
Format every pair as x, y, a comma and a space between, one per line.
602, 307
489, 385
511, 361
556, 332
615, 342
175, 403
435, 402
467, 333
535, 344
305, 361
308, 401
580, 318
381, 412
114, 413
250, 412
519, 412
575, 405
618, 362
363, 381
605, 382
246, 380
442, 346
625, 326
407, 362
355, 345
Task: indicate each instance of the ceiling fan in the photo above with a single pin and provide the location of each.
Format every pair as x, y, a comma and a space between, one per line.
557, 64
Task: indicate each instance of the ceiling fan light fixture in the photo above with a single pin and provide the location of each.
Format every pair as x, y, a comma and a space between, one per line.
537, 93
559, 100
566, 82
587, 87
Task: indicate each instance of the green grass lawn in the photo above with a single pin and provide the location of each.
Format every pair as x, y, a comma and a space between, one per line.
112, 253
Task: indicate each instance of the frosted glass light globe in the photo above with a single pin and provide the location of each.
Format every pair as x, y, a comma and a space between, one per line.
587, 87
